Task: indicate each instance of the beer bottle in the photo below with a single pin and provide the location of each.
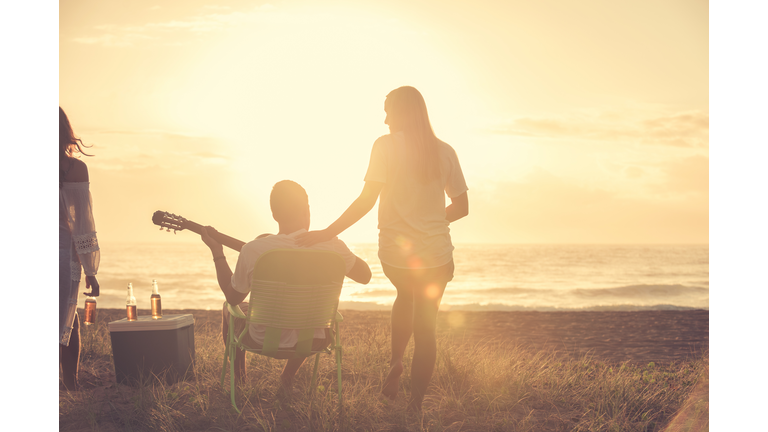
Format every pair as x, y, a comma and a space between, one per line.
157, 310
130, 304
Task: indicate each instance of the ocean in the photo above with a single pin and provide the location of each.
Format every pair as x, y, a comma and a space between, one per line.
487, 277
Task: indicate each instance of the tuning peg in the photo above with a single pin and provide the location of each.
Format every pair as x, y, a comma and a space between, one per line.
169, 230
161, 228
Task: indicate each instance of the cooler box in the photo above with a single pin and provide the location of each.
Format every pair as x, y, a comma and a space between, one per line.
164, 347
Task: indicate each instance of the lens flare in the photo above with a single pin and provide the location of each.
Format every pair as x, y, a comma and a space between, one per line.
414, 262
432, 291
404, 243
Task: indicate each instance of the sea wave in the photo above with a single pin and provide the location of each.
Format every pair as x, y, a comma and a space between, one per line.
629, 297
607, 308
487, 277
625, 290
643, 290
477, 307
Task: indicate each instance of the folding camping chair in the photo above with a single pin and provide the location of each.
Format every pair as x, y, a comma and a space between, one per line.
294, 289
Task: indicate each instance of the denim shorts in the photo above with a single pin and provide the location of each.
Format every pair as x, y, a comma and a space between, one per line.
440, 275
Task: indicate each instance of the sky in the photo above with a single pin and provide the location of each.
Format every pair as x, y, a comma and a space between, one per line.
575, 122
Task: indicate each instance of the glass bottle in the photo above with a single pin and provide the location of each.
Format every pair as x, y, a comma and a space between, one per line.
90, 310
130, 304
157, 309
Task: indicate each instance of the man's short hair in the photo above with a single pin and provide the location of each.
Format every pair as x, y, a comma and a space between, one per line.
288, 199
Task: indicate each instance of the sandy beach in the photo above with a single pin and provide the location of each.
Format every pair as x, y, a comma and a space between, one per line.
617, 336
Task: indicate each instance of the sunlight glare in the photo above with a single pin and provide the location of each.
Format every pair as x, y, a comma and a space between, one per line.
276, 122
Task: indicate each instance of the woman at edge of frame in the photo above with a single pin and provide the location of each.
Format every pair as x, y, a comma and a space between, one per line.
78, 247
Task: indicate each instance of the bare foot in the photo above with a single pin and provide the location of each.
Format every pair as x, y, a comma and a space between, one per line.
286, 391
414, 406
392, 383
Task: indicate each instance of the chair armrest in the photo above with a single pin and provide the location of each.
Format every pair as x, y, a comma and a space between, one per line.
339, 318
234, 311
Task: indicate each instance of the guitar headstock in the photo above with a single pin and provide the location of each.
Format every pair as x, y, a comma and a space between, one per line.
169, 221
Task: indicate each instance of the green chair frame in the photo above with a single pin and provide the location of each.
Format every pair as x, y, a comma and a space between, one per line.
294, 289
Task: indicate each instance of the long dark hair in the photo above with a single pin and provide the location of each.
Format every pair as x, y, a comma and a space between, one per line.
407, 105
69, 144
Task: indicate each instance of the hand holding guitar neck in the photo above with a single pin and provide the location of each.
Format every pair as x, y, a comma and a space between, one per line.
206, 235
170, 221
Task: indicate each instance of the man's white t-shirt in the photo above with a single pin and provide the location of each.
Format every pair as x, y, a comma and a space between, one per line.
241, 278
413, 231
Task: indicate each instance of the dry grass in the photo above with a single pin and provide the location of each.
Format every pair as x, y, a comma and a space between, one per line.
480, 386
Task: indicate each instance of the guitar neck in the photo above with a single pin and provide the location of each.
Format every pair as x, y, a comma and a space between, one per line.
224, 239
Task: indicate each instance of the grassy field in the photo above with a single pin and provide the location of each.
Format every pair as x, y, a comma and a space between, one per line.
477, 386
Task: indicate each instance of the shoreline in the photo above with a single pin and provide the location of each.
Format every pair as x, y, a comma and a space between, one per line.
640, 337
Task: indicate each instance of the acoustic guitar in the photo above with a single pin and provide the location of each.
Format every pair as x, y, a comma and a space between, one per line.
170, 221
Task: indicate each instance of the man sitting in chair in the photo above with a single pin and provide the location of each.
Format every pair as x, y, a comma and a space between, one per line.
290, 208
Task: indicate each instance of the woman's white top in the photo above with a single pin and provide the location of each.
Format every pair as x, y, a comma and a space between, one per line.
413, 231
76, 212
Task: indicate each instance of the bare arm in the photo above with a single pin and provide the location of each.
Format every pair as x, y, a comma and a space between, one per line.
360, 272
458, 208
359, 208
223, 272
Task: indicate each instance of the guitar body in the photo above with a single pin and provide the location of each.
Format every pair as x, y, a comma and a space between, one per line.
170, 221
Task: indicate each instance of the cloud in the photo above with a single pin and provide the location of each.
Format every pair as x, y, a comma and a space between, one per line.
633, 172
139, 172
545, 208
210, 158
112, 40
218, 18
217, 7
688, 175
681, 129
134, 151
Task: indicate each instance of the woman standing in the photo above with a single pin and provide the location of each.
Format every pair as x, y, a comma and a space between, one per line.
411, 170
78, 247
